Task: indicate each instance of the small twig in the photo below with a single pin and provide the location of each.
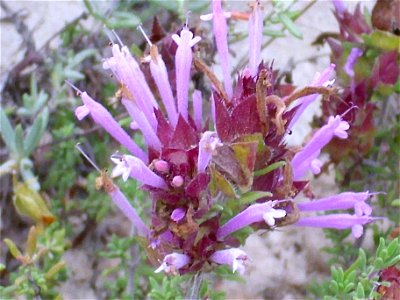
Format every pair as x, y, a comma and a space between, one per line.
202, 67
309, 90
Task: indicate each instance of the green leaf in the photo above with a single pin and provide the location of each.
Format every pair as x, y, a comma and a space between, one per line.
393, 247
19, 140
360, 294
33, 136
269, 168
273, 33
382, 39
289, 25
252, 196
396, 202
7, 132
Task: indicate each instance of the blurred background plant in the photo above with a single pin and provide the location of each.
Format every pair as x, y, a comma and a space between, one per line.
52, 187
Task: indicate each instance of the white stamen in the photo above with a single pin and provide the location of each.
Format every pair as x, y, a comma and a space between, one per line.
188, 13
118, 39
79, 148
139, 27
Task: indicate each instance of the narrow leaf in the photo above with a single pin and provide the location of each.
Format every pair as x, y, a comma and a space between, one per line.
251, 197
7, 132
269, 168
290, 26
33, 136
13, 248
19, 140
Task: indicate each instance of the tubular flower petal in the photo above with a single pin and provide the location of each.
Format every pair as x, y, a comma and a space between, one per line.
160, 75
233, 257
220, 30
301, 104
183, 63
123, 204
255, 37
345, 200
127, 71
254, 213
145, 127
137, 170
303, 160
207, 145
338, 221
351, 61
197, 109
173, 262
339, 7
102, 117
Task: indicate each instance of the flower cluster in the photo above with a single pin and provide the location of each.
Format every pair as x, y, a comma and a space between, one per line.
210, 177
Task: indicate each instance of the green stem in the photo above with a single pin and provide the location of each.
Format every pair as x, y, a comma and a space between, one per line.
194, 288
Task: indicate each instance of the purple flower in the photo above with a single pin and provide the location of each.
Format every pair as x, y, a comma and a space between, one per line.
178, 214
160, 75
321, 79
183, 63
255, 37
102, 117
127, 71
122, 203
191, 162
258, 212
128, 165
338, 221
306, 158
345, 200
339, 7
351, 61
173, 262
221, 40
198, 109
233, 257
207, 146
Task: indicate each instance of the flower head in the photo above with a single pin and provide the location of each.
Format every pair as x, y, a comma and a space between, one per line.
190, 162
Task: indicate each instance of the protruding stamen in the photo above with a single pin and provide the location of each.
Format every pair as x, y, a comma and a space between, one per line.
78, 91
79, 148
118, 38
140, 28
188, 13
348, 110
109, 35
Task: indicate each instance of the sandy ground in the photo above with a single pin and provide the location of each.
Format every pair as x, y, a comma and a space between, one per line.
282, 261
